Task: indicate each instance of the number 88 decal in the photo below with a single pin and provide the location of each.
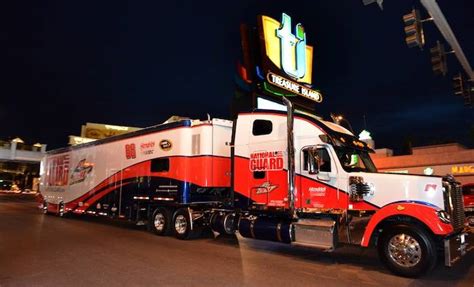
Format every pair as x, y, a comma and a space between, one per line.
130, 152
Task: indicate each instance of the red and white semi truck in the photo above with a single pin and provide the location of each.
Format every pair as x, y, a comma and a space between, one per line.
270, 175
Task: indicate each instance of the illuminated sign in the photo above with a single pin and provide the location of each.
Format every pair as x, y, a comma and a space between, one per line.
117, 128
462, 169
292, 44
100, 131
74, 140
288, 55
293, 87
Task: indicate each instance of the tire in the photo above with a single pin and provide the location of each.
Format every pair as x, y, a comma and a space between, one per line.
61, 211
407, 250
160, 222
45, 208
182, 224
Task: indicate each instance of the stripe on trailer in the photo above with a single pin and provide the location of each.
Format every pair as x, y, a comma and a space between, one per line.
189, 169
99, 195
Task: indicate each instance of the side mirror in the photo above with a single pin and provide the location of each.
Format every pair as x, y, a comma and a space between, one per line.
313, 161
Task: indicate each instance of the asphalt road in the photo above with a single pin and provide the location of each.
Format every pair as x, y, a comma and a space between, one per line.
39, 250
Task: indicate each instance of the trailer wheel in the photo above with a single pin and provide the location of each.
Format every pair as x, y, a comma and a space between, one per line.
160, 222
61, 207
182, 224
407, 250
45, 207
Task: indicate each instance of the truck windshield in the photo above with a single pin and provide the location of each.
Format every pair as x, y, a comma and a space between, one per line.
353, 160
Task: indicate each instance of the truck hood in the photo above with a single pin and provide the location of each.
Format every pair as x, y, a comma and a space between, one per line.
389, 188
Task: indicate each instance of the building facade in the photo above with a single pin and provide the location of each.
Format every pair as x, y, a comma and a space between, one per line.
438, 160
20, 164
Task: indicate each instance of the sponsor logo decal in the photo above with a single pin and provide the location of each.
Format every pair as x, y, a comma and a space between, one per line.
317, 191
166, 145
266, 187
430, 187
81, 171
266, 160
130, 151
147, 148
57, 171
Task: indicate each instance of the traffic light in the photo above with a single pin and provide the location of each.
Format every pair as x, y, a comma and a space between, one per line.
459, 85
469, 96
464, 89
438, 59
414, 29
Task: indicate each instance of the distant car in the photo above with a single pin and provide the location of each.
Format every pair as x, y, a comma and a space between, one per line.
468, 194
5, 185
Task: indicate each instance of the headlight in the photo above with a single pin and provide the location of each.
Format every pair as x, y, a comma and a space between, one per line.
444, 216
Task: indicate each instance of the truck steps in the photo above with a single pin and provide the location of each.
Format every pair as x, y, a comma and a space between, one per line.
315, 233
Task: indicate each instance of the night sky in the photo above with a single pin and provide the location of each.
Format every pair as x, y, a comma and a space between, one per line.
136, 63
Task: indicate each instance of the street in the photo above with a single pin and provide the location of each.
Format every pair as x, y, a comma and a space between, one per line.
46, 250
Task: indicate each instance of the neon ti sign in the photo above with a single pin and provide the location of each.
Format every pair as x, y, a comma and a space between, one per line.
289, 60
292, 45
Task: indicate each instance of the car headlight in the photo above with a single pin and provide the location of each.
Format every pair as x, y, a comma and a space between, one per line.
444, 216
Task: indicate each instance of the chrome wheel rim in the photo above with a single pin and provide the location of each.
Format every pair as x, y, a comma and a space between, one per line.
159, 222
404, 250
61, 209
180, 224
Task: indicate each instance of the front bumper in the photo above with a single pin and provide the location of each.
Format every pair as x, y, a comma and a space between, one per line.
456, 246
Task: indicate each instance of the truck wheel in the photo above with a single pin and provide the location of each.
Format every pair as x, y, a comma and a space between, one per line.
160, 222
407, 250
182, 224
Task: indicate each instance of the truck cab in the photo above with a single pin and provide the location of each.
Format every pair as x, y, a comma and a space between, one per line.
302, 180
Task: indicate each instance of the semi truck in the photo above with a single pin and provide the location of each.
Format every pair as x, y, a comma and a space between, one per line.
282, 176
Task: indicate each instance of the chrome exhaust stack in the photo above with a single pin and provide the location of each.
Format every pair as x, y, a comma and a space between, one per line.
291, 156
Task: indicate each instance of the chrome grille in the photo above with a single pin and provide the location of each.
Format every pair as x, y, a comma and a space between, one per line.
453, 202
458, 212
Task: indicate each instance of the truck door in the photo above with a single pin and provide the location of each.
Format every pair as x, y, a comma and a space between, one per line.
268, 180
318, 182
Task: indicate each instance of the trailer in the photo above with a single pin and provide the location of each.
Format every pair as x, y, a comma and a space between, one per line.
272, 175
178, 169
